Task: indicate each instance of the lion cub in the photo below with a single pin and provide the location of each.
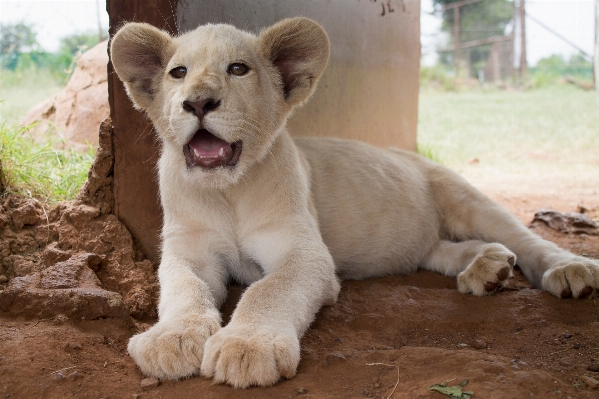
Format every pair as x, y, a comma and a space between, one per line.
244, 201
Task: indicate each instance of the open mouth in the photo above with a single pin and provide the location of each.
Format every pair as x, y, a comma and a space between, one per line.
208, 151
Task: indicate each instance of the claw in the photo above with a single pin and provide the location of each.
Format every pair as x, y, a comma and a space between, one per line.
566, 293
490, 286
504, 273
586, 292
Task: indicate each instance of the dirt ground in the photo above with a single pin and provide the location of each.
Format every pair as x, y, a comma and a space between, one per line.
64, 329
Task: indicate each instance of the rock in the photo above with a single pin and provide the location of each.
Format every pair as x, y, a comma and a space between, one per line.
3, 279
590, 381
149, 383
26, 215
58, 376
52, 255
302, 391
68, 288
79, 108
478, 344
74, 376
76, 346
593, 367
333, 358
564, 363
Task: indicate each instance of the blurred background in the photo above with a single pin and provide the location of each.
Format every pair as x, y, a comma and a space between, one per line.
507, 95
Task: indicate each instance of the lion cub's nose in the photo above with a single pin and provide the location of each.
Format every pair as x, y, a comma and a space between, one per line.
200, 108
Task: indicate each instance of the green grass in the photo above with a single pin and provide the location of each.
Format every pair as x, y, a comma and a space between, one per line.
557, 126
43, 167
22, 89
41, 170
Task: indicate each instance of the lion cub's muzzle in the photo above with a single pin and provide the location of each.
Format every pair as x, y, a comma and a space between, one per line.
208, 151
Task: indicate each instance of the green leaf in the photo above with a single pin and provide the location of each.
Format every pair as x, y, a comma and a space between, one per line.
454, 392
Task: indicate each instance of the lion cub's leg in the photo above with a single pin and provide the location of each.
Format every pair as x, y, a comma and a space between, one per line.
468, 214
173, 348
481, 267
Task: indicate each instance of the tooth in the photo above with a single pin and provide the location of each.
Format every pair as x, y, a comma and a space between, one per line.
221, 152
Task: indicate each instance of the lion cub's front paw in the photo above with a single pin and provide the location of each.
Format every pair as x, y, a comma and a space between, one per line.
173, 349
488, 272
246, 355
576, 277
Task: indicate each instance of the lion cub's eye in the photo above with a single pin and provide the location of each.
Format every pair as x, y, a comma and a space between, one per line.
238, 69
178, 72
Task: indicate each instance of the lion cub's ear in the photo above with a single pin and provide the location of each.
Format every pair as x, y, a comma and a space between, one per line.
139, 53
299, 49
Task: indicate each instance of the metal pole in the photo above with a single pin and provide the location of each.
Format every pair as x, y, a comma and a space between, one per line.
523, 63
456, 39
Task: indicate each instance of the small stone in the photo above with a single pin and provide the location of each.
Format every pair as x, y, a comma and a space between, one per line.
377, 385
563, 363
593, 367
73, 376
576, 346
478, 344
58, 377
301, 391
590, 381
567, 335
3, 279
76, 346
149, 383
332, 358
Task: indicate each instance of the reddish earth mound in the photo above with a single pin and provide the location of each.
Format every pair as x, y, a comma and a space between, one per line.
74, 288
78, 109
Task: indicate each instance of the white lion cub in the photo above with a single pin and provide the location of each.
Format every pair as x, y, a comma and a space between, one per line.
244, 201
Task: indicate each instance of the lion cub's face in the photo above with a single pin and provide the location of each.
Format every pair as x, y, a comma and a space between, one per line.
219, 96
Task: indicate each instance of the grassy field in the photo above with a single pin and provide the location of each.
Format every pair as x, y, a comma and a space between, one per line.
554, 128
20, 90
526, 149
560, 123
40, 168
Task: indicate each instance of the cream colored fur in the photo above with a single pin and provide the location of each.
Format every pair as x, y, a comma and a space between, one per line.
293, 215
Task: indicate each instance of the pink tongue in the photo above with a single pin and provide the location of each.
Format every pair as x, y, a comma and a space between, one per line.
205, 144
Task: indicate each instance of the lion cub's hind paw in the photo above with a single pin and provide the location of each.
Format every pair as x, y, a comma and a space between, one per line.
577, 277
173, 350
488, 272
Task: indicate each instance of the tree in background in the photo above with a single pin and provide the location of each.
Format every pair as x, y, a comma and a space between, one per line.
20, 51
477, 21
16, 39
78, 42
71, 46
555, 66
